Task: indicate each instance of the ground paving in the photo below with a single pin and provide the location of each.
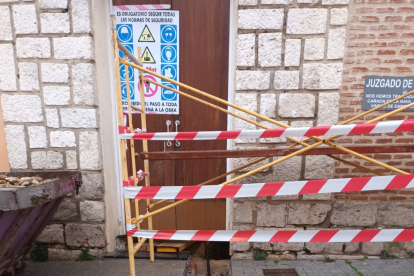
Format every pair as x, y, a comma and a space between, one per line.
389, 267
106, 267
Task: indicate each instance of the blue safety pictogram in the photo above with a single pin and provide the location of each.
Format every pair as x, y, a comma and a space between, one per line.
124, 91
130, 49
169, 53
125, 33
167, 95
168, 33
169, 71
130, 72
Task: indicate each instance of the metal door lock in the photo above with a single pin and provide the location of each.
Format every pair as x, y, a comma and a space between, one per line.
177, 123
168, 122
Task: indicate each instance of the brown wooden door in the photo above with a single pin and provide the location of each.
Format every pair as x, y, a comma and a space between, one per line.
204, 46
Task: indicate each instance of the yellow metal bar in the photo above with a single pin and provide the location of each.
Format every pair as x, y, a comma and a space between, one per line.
145, 148
139, 244
127, 202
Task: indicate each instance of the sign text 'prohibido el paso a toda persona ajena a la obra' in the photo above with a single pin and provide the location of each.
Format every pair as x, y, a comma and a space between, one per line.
379, 90
157, 33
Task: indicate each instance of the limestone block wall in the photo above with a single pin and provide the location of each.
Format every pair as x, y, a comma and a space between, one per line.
50, 109
291, 67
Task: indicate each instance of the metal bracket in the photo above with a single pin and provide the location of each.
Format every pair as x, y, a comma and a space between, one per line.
177, 123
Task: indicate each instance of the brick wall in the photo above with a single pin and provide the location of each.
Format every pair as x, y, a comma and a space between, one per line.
291, 67
48, 97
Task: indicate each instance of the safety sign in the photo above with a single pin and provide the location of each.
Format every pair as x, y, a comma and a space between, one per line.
156, 32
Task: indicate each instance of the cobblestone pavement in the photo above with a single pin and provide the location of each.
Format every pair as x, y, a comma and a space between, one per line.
106, 267
394, 267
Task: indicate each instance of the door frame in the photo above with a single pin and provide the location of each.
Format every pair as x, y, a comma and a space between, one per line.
230, 119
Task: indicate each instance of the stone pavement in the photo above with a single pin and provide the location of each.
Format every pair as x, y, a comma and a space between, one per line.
106, 267
390, 267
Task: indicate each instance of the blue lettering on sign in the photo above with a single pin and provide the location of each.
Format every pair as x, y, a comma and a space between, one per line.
124, 91
167, 95
130, 48
168, 33
130, 72
169, 71
125, 33
168, 53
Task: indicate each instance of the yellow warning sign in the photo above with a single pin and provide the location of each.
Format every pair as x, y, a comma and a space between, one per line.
146, 35
147, 56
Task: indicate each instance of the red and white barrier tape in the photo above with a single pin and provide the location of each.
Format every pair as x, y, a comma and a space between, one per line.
141, 7
130, 182
354, 129
272, 189
368, 235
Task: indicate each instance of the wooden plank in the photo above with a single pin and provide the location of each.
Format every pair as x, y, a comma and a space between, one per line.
172, 246
212, 154
4, 159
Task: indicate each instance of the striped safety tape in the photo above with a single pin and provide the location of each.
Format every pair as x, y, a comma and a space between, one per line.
366, 235
354, 129
272, 189
141, 7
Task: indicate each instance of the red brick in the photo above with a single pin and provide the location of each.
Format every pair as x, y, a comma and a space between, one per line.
356, 44
358, 28
345, 141
382, 10
378, 44
377, 1
408, 35
382, 156
378, 198
398, 61
379, 28
341, 197
386, 52
393, 163
363, 141
393, 18
398, 1
402, 156
359, 69
402, 69
369, 36
398, 198
389, 192
411, 163
410, 60
404, 140
364, 10
406, 193
409, 18
370, 19
407, 52
381, 69
402, 27
359, 198
397, 43
388, 35
405, 9
358, 85
341, 170
383, 141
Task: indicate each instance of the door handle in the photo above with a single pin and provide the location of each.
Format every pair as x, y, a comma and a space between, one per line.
168, 122
177, 123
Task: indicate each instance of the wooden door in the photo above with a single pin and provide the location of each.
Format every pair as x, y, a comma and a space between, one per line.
204, 46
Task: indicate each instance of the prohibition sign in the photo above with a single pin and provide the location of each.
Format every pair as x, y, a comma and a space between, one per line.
148, 90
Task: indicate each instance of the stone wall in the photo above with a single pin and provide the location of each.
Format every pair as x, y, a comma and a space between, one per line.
50, 109
291, 67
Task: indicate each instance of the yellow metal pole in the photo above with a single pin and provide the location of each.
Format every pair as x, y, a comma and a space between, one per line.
127, 203
132, 144
139, 244
145, 148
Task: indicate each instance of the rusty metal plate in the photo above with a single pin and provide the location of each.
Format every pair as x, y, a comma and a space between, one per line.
280, 272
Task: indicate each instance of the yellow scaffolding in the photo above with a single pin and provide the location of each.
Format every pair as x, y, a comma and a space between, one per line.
137, 64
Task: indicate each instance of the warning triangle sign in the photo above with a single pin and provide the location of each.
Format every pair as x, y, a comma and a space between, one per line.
147, 56
146, 35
